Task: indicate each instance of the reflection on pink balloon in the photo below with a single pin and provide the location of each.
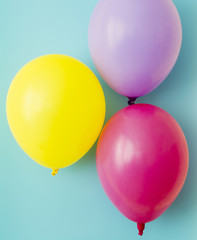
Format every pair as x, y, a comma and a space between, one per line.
142, 161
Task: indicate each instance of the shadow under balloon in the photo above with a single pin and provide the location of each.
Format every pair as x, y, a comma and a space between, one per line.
182, 81
88, 160
187, 198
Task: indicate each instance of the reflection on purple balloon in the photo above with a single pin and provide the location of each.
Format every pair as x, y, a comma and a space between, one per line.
134, 44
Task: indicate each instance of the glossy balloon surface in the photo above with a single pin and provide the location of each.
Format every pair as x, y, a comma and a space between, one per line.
142, 161
55, 109
134, 44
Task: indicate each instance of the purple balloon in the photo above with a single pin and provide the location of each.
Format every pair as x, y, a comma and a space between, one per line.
134, 43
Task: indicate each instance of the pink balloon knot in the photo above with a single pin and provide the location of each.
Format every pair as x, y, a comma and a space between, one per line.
140, 227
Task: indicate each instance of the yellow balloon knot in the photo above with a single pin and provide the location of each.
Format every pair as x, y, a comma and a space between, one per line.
54, 171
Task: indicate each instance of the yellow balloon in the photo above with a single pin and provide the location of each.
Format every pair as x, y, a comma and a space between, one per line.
55, 109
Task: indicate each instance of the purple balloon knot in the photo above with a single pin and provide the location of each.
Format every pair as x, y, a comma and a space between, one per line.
132, 100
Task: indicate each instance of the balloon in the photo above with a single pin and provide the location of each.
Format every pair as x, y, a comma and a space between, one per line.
55, 110
142, 161
134, 43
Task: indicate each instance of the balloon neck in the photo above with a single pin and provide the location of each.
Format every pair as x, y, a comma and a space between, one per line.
54, 172
132, 100
140, 227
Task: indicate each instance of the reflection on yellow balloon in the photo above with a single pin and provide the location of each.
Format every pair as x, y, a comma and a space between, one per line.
55, 109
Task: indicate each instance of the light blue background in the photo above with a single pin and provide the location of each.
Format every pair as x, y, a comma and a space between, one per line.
35, 205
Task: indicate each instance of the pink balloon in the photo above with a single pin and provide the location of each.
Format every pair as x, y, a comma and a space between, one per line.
142, 161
